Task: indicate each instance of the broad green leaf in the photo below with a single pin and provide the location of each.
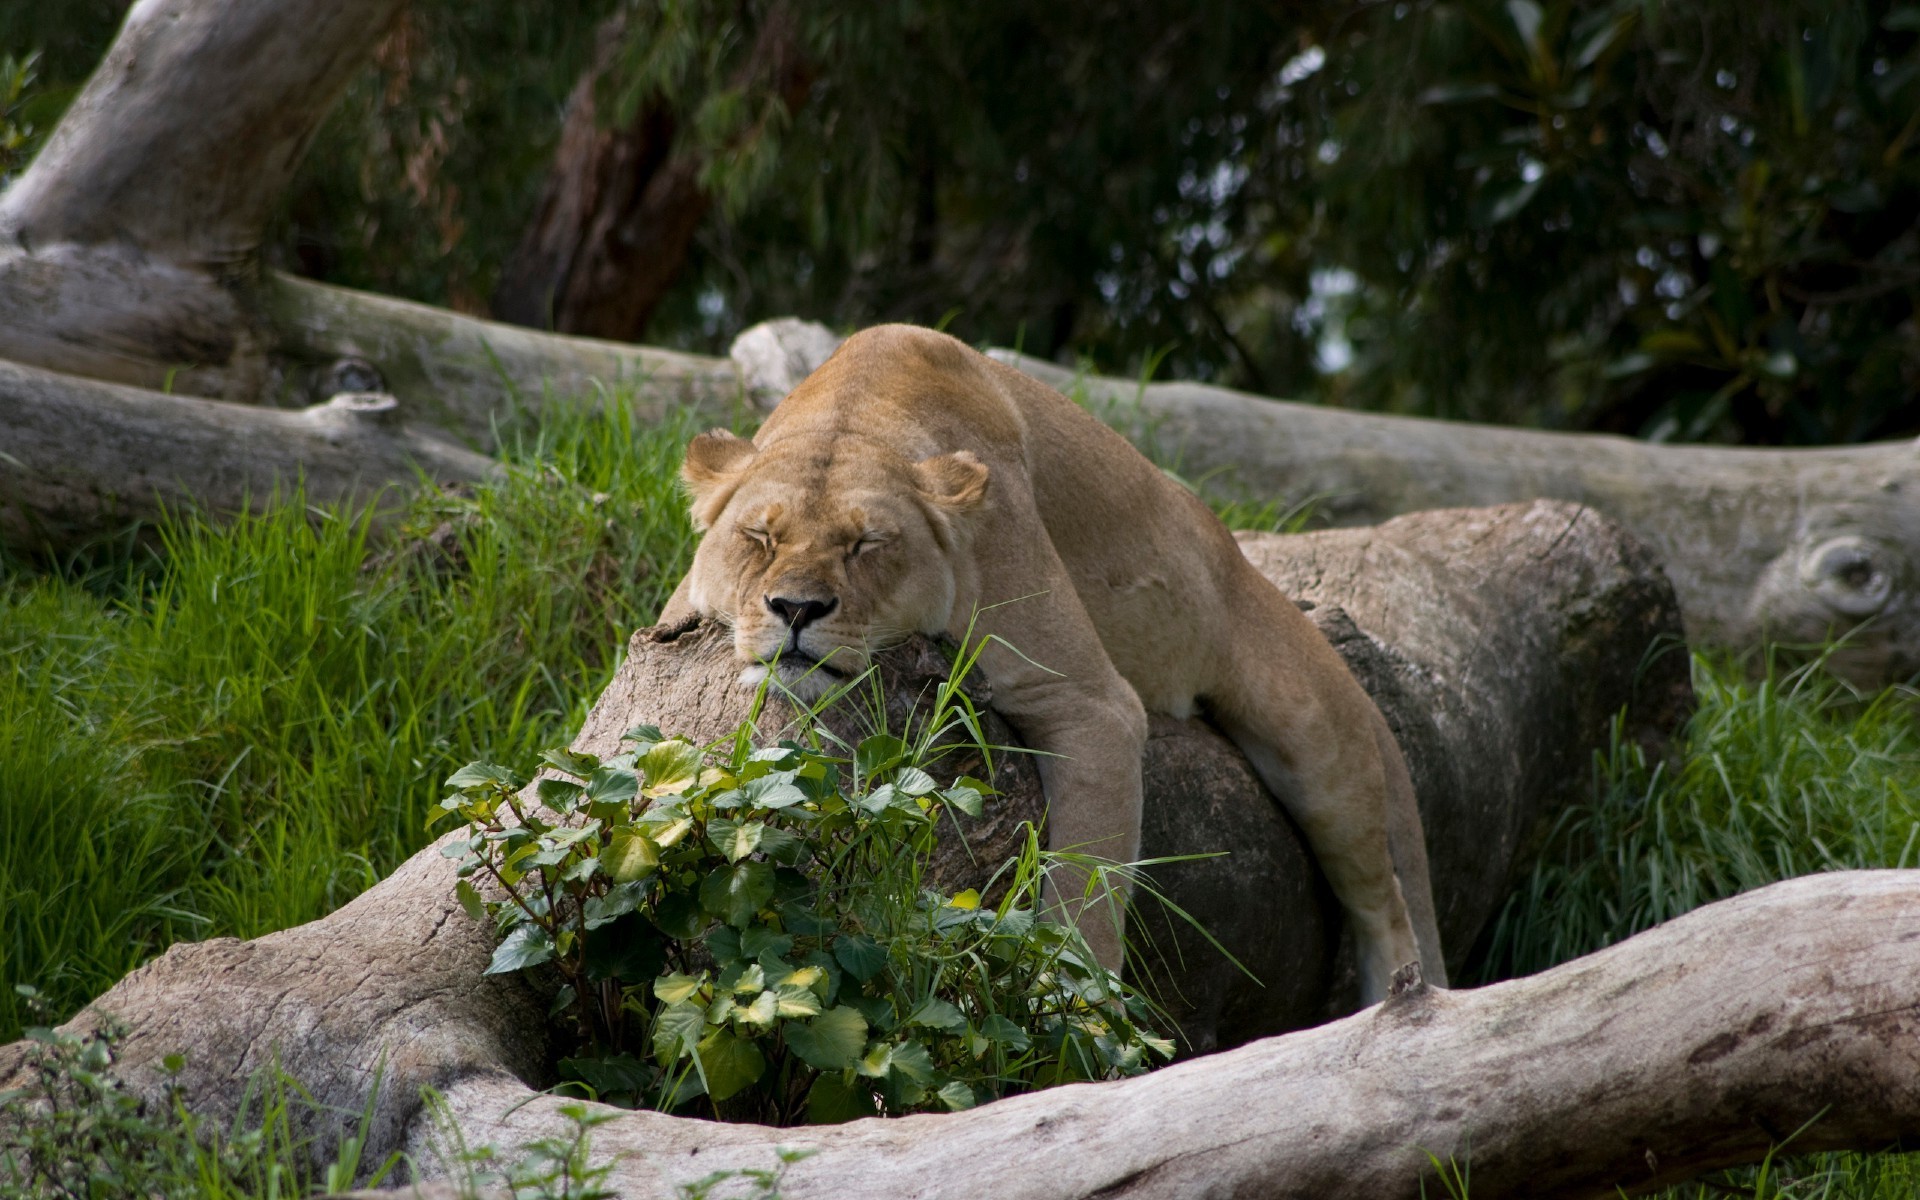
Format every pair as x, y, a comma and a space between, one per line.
911, 1061
618, 901
878, 753
735, 893
581, 765
558, 794
760, 940
791, 1001
935, 1013
478, 774
528, 945
669, 833
678, 987
677, 1029
743, 977
671, 767
735, 839
860, 955
915, 782
956, 1096
470, 902
773, 792
763, 1008
832, 1041
644, 733
679, 916
612, 785
630, 856
880, 799
729, 1063
782, 846
965, 799
999, 1029
834, 1098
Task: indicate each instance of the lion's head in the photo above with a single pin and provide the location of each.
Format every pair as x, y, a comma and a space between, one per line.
820, 549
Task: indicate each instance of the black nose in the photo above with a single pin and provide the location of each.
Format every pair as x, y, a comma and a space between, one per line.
798, 614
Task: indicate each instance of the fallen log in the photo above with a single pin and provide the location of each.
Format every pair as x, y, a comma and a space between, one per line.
1503, 639
1761, 545
79, 458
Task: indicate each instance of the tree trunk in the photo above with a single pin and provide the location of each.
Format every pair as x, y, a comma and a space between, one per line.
622, 203
1506, 636
1787, 545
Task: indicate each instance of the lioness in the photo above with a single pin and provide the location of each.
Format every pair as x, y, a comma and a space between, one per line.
911, 485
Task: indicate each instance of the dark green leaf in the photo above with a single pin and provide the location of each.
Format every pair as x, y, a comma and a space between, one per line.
860, 955
729, 1063
834, 1098
759, 940
558, 794
832, 1041
880, 752
612, 785
618, 1075
528, 945
735, 893
629, 948
956, 1096
935, 1013
999, 1029
679, 916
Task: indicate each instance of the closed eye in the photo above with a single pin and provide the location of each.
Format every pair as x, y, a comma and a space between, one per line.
758, 537
868, 544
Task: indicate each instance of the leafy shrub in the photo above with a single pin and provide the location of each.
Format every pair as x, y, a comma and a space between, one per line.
755, 926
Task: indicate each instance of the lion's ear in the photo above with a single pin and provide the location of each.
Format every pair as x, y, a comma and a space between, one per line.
714, 463
956, 481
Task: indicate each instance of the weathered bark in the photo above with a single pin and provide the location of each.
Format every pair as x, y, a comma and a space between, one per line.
622, 203
1792, 545
79, 459
154, 189
1472, 649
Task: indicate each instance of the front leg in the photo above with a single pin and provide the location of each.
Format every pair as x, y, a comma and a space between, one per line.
1089, 732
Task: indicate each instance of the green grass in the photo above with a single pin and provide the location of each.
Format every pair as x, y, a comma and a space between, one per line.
242, 729
1781, 772
245, 731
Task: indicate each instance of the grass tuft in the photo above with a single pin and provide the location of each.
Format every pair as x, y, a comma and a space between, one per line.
245, 730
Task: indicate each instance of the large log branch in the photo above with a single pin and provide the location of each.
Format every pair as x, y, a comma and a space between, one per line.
79, 459
1506, 636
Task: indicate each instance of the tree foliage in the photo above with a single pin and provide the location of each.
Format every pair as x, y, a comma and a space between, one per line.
1682, 221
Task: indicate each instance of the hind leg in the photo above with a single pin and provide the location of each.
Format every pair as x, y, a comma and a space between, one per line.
1309, 729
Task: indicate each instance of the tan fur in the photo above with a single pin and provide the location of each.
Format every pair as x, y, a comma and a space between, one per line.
911, 485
